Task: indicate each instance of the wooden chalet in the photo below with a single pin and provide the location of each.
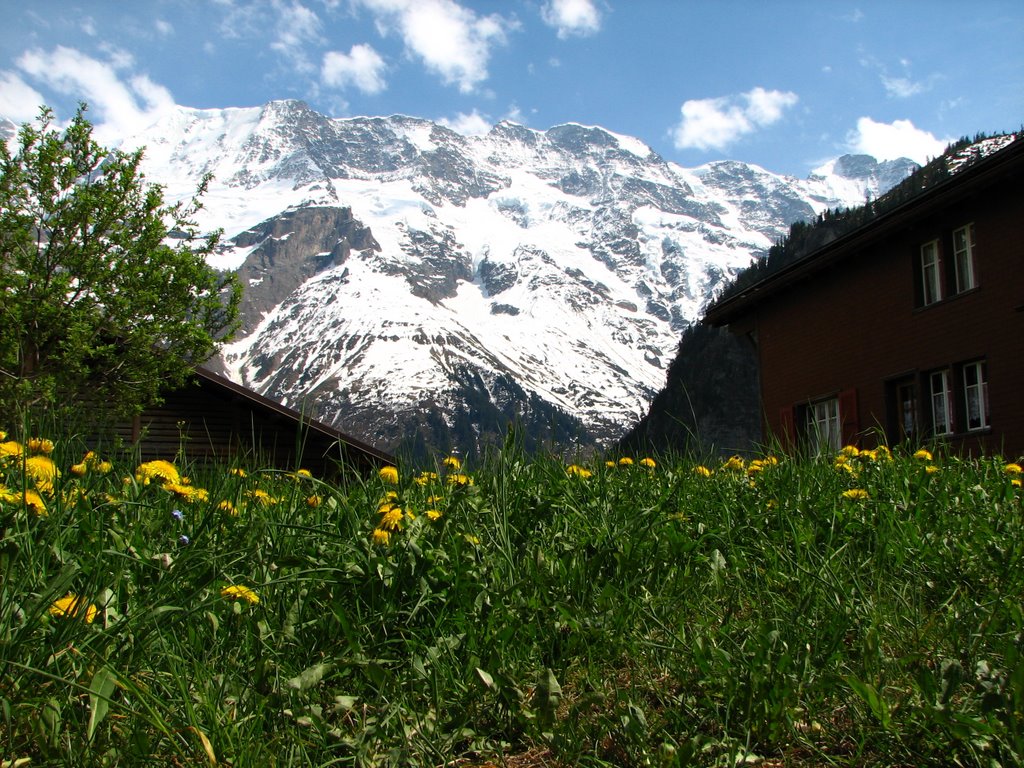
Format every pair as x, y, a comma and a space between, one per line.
908, 328
215, 419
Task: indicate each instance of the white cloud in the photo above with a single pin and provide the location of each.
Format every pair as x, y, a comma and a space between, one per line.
890, 141
362, 67
905, 87
164, 28
716, 123
88, 25
451, 40
19, 101
121, 108
515, 114
298, 28
901, 87
473, 124
572, 17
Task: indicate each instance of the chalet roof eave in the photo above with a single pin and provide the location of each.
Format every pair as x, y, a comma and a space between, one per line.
959, 184
317, 426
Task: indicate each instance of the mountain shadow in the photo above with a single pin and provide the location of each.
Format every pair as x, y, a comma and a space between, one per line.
711, 399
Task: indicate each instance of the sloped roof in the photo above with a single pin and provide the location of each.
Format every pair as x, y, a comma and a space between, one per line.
972, 168
312, 425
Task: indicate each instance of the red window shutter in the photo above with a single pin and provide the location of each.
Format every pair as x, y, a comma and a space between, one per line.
848, 420
787, 425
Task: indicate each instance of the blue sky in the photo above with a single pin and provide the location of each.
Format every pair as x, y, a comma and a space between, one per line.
785, 84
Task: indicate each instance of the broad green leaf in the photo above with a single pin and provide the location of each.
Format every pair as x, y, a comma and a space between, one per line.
485, 678
100, 690
309, 676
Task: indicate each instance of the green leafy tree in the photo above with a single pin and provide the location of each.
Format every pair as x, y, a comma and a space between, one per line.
106, 296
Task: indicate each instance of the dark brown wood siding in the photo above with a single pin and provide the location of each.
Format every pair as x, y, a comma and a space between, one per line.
213, 420
856, 327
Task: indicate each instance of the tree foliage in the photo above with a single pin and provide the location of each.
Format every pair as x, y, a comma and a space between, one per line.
105, 292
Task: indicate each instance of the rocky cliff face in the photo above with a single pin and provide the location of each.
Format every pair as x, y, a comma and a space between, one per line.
416, 286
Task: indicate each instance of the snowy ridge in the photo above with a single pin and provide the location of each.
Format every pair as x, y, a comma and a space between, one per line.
396, 270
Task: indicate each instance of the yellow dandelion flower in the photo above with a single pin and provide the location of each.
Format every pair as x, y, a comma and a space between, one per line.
1012, 469
42, 470
460, 480
382, 537
40, 445
187, 492
855, 493
648, 462
79, 469
34, 502
304, 474
240, 592
71, 606
882, 453
1015, 482
850, 451
434, 499
11, 449
389, 474
423, 478
159, 470
313, 501
609, 464
931, 469
227, 506
625, 461
104, 467
452, 462
434, 514
923, 455
577, 471
238, 472
262, 497
8, 496
392, 519
735, 463
702, 471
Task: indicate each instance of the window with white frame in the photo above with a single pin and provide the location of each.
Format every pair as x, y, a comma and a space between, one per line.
976, 395
963, 258
823, 431
942, 403
931, 282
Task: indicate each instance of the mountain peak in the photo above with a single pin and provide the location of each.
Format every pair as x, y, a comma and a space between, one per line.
864, 167
402, 279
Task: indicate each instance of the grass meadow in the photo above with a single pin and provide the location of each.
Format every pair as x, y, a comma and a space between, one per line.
849, 610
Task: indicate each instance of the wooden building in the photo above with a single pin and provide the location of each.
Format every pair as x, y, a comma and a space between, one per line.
215, 419
909, 328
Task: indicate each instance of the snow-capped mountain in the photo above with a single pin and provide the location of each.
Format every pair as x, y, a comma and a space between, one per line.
411, 284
